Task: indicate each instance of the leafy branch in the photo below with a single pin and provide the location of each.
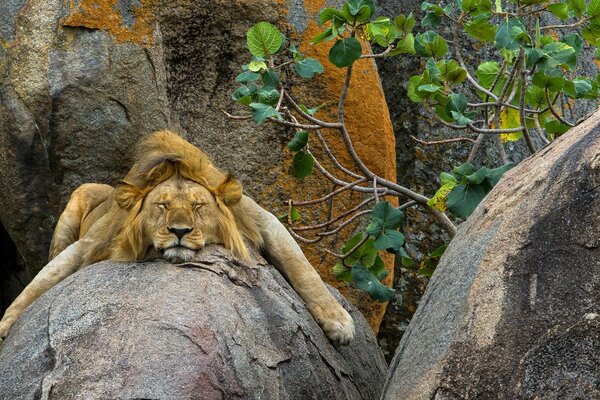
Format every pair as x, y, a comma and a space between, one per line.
520, 92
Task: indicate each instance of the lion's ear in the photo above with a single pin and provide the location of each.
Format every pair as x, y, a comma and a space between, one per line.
127, 195
230, 191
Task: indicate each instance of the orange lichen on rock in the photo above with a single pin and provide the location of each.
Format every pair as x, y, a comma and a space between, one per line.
368, 122
106, 15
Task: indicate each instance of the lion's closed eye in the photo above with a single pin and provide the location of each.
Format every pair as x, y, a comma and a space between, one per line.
198, 205
162, 206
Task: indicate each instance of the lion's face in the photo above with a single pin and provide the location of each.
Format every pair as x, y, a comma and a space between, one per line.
180, 217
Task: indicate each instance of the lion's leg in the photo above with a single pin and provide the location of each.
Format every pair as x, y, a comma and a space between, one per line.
282, 251
66, 263
83, 201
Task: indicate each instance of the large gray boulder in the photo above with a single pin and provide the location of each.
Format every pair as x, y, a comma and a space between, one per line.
512, 309
210, 329
82, 80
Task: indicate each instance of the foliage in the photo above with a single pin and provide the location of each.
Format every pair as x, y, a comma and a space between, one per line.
464, 188
524, 88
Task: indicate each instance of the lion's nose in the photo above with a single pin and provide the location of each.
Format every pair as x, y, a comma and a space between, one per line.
180, 232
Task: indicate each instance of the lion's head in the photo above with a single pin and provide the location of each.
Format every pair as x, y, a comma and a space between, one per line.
177, 201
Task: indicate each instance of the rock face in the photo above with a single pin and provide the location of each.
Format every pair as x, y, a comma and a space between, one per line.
419, 166
512, 311
82, 80
209, 329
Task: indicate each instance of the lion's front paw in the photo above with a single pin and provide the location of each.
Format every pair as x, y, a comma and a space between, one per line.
337, 324
4, 328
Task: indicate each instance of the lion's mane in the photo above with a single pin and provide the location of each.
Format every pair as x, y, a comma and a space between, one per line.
159, 157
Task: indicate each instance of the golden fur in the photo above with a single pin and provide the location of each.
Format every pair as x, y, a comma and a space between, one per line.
175, 201
162, 156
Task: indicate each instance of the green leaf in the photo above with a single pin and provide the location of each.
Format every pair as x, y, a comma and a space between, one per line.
381, 31
270, 79
366, 281
256, 66
575, 41
431, 20
593, 9
557, 54
577, 7
487, 72
412, 88
476, 6
264, 39
430, 87
438, 201
294, 216
430, 44
384, 217
451, 72
326, 35
390, 240
247, 76
268, 96
302, 165
551, 79
463, 199
240, 93
509, 34
330, 13
378, 268
479, 28
463, 170
578, 87
260, 112
404, 46
556, 127
493, 175
560, 10
311, 111
460, 118
458, 103
535, 97
365, 254
405, 24
591, 32
299, 141
361, 9
308, 68
342, 273
344, 52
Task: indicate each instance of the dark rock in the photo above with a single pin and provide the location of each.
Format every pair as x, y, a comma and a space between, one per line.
210, 329
516, 289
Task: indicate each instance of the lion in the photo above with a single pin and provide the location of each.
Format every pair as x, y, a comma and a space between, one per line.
172, 203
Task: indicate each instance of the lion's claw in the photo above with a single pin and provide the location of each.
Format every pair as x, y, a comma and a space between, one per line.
338, 326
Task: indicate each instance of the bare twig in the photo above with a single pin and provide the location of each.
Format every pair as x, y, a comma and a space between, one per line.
375, 189
582, 21
344, 224
236, 117
444, 141
333, 158
330, 195
335, 219
475, 147
554, 112
352, 250
379, 55
293, 124
281, 91
526, 134
296, 107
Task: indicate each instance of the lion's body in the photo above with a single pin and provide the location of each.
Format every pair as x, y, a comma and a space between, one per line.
173, 202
